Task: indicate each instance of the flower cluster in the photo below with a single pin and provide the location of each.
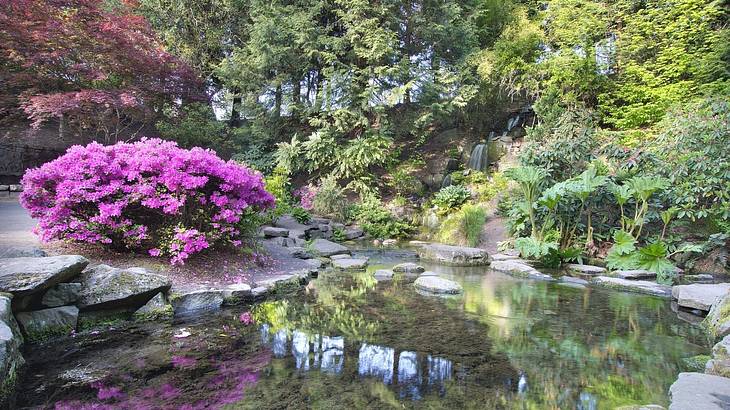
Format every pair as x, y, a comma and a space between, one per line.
306, 195
149, 195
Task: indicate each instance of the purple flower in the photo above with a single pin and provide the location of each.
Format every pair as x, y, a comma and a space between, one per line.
246, 318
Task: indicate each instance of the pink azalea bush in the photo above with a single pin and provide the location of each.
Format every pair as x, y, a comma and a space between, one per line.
306, 195
150, 196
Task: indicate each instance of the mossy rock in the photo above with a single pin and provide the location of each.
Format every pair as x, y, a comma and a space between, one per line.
695, 363
103, 319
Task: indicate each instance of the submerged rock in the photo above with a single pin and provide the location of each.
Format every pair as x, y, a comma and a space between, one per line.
699, 296
323, 247
62, 294
694, 391
519, 269
408, 267
634, 274
42, 324
197, 301
584, 269
104, 287
640, 286
437, 285
349, 263
576, 281
454, 255
26, 276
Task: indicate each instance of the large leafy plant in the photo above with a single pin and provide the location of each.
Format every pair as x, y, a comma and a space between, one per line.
450, 198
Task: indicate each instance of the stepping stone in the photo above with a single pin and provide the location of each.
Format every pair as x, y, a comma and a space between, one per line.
454, 255
408, 267
104, 287
41, 324
699, 296
323, 247
383, 274
273, 232
584, 269
639, 286
290, 223
299, 252
314, 263
520, 270
349, 263
634, 274
503, 257
26, 276
197, 301
576, 281
694, 391
343, 256
437, 285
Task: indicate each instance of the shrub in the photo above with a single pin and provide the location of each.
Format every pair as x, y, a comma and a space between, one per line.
146, 196
377, 221
301, 215
450, 197
463, 227
329, 199
306, 196
278, 184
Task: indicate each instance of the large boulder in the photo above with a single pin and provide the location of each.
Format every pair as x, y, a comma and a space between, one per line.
408, 267
197, 301
717, 321
694, 391
699, 296
21, 252
27, 275
290, 223
11, 360
639, 286
104, 287
454, 255
323, 247
42, 324
437, 285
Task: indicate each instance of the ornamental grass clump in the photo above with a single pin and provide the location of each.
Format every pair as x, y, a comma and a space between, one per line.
149, 196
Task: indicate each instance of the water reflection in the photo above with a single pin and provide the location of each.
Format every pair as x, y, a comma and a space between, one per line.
327, 354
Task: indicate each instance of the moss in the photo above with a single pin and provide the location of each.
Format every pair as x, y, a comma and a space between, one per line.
102, 319
715, 320
162, 313
696, 363
51, 332
7, 388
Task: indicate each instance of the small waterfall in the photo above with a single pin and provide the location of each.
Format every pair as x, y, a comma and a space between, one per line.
479, 159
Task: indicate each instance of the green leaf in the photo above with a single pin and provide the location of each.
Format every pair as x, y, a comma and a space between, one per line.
623, 243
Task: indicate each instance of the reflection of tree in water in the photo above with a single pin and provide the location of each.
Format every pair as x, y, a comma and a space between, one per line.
582, 348
392, 337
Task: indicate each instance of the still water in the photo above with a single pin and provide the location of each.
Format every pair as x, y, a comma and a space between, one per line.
348, 341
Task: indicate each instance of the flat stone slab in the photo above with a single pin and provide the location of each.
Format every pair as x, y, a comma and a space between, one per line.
21, 252
408, 267
40, 324
314, 263
299, 252
349, 263
437, 285
290, 223
576, 281
519, 269
237, 291
197, 301
503, 257
25, 276
584, 269
342, 256
323, 247
634, 274
286, 280
639, 286
273, 232
699, 296
694, 391
383, 274
454, 255
104, 287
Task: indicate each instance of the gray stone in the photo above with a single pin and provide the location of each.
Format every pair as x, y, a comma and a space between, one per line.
437, 285
519, 269
639, 286
350, 264
503, 257
236, 293
104, 287
299, 252
16, 188
273, 232
719, 365
570, 279
286, 282
320, 221
408, 267
290, 223
337, 225
157, 307
428, 273
717, 321
42, 324
634, 274
283, 241
694, 391
62, 294
314, 263
701, 277
4, 188
11, 359
390, 242
343, 256
383, 274
454, 255
323, 247
25, 276
259, 292
353, 233
21, 252
197, 301
297, 234
699, 296
584, 269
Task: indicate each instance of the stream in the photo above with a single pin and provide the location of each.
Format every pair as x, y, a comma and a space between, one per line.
348, 341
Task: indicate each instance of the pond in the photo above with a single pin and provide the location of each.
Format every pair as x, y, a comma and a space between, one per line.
348, 341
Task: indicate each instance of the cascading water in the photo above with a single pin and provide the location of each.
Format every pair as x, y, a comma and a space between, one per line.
479, 159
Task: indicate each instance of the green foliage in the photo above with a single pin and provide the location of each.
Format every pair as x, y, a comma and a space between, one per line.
653, 257
338, 235
329, 199
377, 221
463, 227
534, 248
403, 182
450, 198
195, 125
278, 184
301, 215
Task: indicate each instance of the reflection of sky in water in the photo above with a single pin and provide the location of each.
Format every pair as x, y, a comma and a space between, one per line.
328, 355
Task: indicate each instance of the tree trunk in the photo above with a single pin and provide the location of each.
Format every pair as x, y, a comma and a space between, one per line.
277, 102
235, 120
